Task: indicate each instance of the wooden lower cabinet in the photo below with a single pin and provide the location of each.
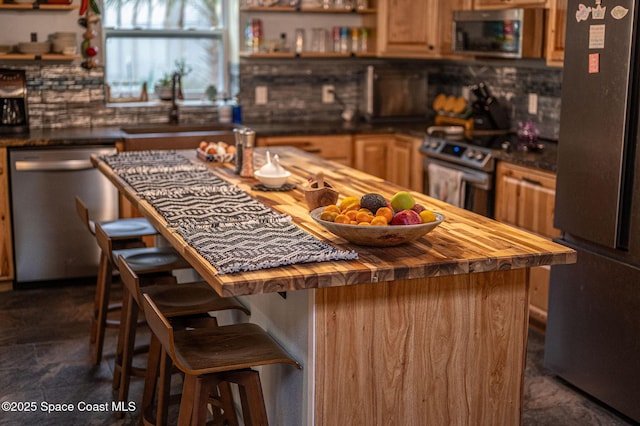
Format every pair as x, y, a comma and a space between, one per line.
370, 153
331, 147
525, 198
6, 243
392, 157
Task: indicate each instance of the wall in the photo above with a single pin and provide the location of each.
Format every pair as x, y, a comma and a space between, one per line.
67, 95
511, 82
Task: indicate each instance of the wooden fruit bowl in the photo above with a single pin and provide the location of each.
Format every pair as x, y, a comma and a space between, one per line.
377, 236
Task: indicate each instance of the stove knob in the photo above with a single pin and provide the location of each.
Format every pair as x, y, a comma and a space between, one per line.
433, 144
469, 153
479, 156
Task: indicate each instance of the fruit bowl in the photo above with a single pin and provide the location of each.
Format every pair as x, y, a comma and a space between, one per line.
377, 236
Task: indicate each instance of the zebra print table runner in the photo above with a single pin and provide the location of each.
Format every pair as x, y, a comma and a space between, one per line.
224, 224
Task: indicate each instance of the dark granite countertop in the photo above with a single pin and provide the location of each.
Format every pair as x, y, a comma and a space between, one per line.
545, 159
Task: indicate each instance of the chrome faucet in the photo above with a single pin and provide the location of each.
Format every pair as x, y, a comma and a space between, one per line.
174, 116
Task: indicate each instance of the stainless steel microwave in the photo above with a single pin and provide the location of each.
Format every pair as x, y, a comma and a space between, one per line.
507, 33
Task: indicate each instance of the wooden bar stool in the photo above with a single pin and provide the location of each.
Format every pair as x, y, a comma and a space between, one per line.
192, 302
125, 233
212, 356
156, 265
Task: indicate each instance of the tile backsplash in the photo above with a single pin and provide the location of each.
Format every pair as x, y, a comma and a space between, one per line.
71, 96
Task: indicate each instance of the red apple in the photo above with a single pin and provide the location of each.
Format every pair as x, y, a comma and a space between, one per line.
406, 217
417, 208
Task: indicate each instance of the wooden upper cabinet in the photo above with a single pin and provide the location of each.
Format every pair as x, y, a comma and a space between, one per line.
556, 32
494, 4
445, 12
416, 28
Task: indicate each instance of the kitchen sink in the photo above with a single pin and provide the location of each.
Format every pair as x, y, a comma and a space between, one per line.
175, 136
176, 128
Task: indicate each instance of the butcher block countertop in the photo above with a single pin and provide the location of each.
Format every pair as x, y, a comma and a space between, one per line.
435, 332
464, 243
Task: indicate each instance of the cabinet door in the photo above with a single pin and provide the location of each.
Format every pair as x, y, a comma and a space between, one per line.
370, 154
405, 163
525, 198
445, 12
408, 28
331, 147
399, 167
6, 246
494, 4
556, 32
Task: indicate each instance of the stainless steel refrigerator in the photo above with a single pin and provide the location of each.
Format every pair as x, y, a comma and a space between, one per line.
593, 328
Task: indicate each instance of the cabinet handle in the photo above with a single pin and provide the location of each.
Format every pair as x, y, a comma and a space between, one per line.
531, 181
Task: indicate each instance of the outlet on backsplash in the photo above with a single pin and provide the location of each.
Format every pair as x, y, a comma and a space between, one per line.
262, 94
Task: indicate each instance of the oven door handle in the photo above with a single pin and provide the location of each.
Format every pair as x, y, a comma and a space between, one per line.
479, 179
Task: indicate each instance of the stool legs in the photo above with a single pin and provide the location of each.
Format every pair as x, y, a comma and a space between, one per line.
101, 306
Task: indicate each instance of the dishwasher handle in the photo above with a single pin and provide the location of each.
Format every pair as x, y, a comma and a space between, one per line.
49, 166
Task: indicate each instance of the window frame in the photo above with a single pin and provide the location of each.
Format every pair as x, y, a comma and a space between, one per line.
220, 33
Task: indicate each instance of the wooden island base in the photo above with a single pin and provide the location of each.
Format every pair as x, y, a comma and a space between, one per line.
439, 351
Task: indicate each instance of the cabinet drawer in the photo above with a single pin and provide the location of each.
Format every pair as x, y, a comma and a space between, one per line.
334, 147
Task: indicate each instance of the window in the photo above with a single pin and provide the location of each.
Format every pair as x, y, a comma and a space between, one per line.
148, 40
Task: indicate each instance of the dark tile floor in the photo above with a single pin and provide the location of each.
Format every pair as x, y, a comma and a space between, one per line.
45, 359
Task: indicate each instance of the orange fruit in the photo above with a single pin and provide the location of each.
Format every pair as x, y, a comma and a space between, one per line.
328, 216
353, 222
203, 145
362, 209
332, 208
379, 221
386, 212
363, 217
341, 219
353, 206
364, 224
351, 214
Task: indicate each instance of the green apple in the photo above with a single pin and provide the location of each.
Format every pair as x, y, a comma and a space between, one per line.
402, 201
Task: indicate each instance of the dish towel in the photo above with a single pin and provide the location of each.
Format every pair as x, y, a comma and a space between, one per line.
446, 184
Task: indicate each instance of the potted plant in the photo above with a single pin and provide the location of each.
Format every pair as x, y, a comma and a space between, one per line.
163, 86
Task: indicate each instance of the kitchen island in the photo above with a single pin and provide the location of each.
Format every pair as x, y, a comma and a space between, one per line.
432, 332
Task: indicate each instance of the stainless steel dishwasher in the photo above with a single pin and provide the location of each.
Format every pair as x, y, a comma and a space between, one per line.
50, 241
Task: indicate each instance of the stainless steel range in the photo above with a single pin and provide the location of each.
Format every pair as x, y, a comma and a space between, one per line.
459, 173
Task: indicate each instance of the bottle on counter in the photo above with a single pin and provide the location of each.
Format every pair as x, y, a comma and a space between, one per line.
236, 110
225, 110
247, 153
239, 137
